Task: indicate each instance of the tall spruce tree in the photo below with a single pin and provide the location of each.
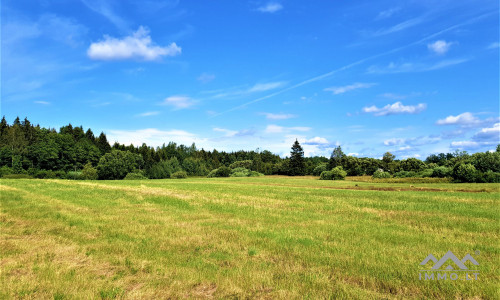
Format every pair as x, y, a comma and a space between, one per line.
297, 166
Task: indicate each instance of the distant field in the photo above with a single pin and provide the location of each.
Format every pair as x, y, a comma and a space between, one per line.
264, 237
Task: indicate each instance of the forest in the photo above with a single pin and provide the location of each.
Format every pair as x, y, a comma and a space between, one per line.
28, 150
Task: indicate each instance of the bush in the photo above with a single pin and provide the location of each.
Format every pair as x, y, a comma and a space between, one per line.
5, 171
246, 164
381, 174
441, 172
489, 177
405, 174
179, 175
45, 174
326, 175
117, 164
239, 174
255, 174
220, 172
320, 169
412, 164
338, 173
135, 176
75, 175
89, 172
16, 176
464, 172
425, 173
164, 169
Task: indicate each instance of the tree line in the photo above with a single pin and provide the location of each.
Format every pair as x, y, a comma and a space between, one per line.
74, 153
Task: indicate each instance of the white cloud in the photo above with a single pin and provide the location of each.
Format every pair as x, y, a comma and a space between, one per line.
235, 133
205, 77
270, 7
387, 13
271, 116
105, 9
137, 46
408, 67
227, 132
148, 114
439, 47
396, 108
316, 141
179, 102
394, 141
262, 87
42, 102
399, 27
464, 119
489, 133
494, 45
279, 129
465, 144
353, 154
342, 89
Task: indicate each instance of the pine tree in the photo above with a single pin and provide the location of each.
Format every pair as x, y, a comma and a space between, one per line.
103, 144
297, 165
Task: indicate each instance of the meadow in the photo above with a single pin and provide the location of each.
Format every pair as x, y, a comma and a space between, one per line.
265, 237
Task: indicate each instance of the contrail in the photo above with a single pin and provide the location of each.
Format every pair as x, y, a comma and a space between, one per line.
355, 64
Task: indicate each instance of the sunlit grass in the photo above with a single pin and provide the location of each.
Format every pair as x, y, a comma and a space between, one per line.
271, 237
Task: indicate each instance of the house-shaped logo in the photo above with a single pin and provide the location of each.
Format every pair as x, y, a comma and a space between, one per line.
449, 256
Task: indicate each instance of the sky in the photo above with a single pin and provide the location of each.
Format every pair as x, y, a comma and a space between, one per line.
409, 77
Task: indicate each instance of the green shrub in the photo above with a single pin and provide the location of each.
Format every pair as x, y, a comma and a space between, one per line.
246, 164
464, 172
239, 174
89, 172
16, 176
441, 172
135, 176
320, 169
5, 171
489, 177
425, 173
75, 175
255, 174
326, 175
338, 173
45, 174
220, 172
381, 174
405, 174
179, 175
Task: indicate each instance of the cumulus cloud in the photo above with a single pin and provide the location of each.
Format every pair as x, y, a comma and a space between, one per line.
179, 102
270, 7
394, 109
342, 89
439, 47
139, 45
280, 129
316, 141
271, 116
488, 134
394, 141
464, 119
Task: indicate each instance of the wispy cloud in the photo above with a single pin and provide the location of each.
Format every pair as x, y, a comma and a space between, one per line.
206, 77
271, 116
439, 47
399, 27
494, 45
358, 62
395, 109
179, 102
152, 137
257, 88
234, 133
42, 102
270, 7
105, 9
280, 129
342, 89
392, 68
137, 46
149, 114
387, 13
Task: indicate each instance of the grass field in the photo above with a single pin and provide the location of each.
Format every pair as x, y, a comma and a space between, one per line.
270, 237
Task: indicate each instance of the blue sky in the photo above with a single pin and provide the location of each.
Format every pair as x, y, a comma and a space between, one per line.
409, 77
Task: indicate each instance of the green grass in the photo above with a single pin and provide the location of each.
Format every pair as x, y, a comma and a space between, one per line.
267, 237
